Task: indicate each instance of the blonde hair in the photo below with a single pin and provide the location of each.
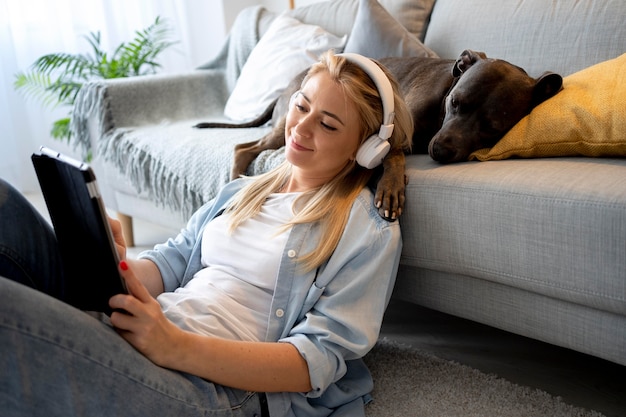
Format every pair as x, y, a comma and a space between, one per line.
330, 204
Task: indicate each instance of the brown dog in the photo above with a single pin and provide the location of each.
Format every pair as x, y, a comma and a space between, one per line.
457, 107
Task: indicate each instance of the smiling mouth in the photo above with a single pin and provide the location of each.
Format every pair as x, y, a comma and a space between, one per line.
298, 147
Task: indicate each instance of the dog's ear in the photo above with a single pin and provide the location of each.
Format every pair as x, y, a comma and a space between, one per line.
465, 61
547, 85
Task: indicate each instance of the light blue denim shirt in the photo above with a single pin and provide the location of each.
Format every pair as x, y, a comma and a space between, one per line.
331, 315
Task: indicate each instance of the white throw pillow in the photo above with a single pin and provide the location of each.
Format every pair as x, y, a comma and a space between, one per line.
285, 50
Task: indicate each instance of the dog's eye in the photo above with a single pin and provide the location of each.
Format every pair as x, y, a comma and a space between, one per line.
454, 104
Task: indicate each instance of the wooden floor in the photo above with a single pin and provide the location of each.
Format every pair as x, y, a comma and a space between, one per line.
579, 379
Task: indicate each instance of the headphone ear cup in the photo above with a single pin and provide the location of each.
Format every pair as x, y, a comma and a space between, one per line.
372, 152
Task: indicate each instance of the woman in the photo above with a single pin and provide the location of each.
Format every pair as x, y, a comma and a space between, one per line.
263, 305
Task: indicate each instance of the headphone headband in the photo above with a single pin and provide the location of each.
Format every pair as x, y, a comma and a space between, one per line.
383, 85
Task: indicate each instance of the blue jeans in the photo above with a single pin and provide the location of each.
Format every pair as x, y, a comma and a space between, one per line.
59, 361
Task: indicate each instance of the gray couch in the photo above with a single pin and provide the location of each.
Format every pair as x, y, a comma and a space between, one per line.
535, 246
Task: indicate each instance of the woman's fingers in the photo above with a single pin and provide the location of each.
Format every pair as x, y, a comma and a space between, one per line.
134, 286
138, 318
118, 237
138, 294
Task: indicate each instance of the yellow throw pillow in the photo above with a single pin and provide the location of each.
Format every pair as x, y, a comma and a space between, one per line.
586, 118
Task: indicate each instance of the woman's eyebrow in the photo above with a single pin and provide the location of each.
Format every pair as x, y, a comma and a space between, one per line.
327, 113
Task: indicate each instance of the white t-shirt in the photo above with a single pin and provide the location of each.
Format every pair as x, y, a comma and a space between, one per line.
231, 296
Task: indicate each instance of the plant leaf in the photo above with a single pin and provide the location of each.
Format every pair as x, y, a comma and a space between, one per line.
61, 129
55, 79
142, 51
35, 85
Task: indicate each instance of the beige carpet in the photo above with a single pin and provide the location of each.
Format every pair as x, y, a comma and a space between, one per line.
411, 383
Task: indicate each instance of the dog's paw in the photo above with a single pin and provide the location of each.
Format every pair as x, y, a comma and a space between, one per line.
389, 198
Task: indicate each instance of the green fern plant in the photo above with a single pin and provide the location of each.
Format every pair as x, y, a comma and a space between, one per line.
55, 79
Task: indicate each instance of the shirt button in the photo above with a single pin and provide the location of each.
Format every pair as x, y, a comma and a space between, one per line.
291, 253
280, 312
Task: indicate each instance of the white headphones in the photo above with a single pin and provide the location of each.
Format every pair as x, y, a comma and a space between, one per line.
372, 152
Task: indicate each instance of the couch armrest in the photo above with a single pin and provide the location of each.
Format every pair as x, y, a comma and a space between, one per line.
105, 105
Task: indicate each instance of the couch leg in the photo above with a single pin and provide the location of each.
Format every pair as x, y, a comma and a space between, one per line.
127, 228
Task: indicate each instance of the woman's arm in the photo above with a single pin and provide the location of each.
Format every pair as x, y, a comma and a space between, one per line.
252, 366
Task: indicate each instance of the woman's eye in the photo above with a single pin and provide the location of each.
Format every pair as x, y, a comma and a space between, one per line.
328, 127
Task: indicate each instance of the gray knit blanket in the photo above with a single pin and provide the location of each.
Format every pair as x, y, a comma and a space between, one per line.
175, 165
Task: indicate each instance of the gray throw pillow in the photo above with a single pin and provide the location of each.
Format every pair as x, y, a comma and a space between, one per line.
377, 34
412, 14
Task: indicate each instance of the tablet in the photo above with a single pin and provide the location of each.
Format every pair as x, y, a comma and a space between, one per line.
85, 239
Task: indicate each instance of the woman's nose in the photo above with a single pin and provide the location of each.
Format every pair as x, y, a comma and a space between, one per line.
303, 125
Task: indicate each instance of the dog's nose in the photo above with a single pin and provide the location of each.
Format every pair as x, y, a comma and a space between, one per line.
441, 153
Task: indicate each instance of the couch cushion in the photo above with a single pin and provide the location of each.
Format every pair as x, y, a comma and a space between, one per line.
377, 34
586, 118
286, 49
553, 226
539, 35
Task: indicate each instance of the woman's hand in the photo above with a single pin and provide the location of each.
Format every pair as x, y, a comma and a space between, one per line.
139, 320
118, 237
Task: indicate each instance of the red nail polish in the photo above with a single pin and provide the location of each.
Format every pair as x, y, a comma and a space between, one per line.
124, 265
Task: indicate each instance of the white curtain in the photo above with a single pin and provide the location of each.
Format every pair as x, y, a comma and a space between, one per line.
32, 28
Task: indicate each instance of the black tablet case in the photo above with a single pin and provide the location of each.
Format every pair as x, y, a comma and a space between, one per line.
79, 219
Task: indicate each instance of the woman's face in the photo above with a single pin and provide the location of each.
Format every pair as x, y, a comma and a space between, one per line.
322, 129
